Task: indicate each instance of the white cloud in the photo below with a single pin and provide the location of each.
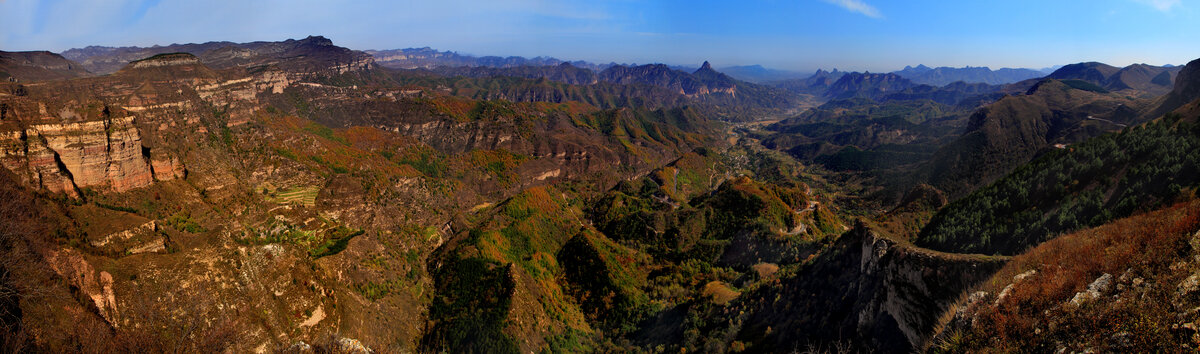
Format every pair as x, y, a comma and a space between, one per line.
1162, 5
870, 11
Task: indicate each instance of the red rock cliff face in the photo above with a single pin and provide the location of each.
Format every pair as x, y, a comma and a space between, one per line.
62, 157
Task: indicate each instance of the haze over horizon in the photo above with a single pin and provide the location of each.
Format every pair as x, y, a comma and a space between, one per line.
800, 35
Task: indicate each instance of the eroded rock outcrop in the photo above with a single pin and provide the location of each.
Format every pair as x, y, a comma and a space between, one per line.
62, 157
90, 284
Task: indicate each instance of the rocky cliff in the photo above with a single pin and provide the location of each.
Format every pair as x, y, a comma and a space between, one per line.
62, 157
866, 290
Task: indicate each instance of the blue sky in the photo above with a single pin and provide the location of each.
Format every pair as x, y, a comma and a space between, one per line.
876, 35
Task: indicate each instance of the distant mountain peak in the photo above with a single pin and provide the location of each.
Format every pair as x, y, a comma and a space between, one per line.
707, 69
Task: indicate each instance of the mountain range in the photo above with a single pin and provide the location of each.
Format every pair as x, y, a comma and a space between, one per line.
299, 196
429, 58
942, 76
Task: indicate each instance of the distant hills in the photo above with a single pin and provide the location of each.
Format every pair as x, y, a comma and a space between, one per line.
920, 74
315, 50
37, 66
1153, 80
429, 58
942, 76
653, 85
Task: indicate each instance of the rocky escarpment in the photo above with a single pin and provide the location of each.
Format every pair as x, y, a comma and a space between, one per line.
168, 59
867, 290
63, 157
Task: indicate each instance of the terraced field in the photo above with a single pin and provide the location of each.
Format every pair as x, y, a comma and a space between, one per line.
302, 195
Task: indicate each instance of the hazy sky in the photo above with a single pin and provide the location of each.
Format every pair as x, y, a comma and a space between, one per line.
877, 35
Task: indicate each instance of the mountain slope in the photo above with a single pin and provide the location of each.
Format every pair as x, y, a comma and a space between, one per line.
1123, 287
1090, 183
1013, 130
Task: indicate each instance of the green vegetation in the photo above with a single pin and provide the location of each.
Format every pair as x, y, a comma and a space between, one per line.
287, 153
317, 243
339, 237
500, 164
165, 56
606, 282
702, 228
473, 299
323, 131
336, 167
429, 162
1086, 185
1084, 85
517, 241
374, 291
182, 221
